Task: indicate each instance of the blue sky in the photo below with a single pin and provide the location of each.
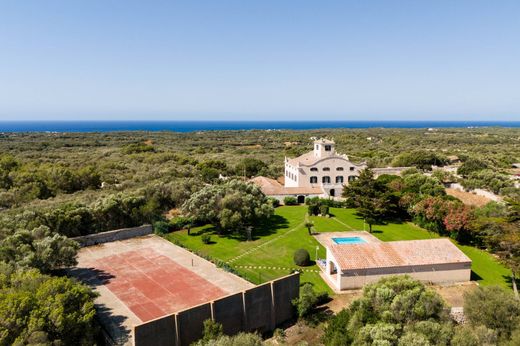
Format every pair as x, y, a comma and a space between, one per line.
259, 60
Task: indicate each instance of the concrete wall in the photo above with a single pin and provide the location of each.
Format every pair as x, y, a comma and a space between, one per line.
229, 311
190, 323
118, 234
159, 332
284, 291
442, 273
260, 308
258, 303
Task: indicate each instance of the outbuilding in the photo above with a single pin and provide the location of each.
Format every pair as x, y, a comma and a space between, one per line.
355, 259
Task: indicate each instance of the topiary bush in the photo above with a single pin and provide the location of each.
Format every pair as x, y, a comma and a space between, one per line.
206, 238
302, 258
324, 210
289, 200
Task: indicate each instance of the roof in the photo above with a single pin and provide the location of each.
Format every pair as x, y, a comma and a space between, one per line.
397, 254
308, 159
272, 187
323, 141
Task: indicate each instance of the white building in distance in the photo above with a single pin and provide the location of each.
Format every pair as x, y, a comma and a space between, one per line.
321, 168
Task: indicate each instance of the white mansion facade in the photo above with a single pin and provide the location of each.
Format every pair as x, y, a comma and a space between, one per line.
321, 168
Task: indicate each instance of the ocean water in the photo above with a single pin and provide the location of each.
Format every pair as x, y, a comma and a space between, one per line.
190, 126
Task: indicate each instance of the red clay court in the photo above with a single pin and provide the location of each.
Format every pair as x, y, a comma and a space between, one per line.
152, 285
141, 279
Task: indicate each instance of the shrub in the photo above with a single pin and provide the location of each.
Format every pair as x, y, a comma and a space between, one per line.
179, 222
274, 202
212, 330
206, 238
161, 227
302, 257
308, 300
289, 200
324, 210
313, 209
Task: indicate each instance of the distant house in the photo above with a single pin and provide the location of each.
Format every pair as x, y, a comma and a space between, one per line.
355, 259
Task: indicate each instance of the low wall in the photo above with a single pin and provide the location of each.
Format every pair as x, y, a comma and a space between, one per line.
260, 308
118, 234
442, 273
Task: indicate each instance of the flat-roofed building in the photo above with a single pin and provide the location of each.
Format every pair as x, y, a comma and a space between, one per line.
355, 259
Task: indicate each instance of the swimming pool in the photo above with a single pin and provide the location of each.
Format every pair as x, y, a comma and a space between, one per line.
349, 240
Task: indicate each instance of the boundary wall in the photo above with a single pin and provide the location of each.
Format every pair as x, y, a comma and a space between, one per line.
109, 236
258, 309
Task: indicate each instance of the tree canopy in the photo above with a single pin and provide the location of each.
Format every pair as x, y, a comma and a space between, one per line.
230, 206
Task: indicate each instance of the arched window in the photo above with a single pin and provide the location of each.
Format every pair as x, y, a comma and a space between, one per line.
352, 168
314, 169
339, 168
326, 169
314, 180
339, 179
325, 180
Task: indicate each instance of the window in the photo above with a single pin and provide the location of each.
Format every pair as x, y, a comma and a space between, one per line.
317, 147
314, 180
314, 169
325, 180
339, 168
339, 179
328, 148
326, 169
352, 177
351, 168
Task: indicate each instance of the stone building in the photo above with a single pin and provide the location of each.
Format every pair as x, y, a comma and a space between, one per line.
321, 168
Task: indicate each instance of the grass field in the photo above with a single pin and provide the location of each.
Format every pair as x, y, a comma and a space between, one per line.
270, 254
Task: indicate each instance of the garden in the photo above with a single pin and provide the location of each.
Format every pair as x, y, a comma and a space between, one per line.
270, 254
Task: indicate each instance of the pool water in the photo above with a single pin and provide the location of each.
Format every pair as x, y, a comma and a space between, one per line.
349, 240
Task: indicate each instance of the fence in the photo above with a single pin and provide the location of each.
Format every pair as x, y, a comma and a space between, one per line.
260, 309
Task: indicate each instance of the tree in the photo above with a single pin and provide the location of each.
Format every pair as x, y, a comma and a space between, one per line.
308, 300
212, 331
493, 307
394, 311
373, 199
230, 206
458, 222
240, 339
38, 248
250, 167
39, 309
422, 159
471, 165
309, 225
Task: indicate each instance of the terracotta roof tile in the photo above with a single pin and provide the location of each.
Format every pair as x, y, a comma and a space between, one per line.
397, 254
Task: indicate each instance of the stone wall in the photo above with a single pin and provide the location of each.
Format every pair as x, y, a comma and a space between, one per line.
118, 234
260, 308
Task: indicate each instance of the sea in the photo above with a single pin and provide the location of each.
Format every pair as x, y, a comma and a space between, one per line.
195, 126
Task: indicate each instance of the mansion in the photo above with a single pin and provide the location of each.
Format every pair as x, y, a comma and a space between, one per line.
319, 173
323, 168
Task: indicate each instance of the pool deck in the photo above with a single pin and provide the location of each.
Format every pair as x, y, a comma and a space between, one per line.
326, 238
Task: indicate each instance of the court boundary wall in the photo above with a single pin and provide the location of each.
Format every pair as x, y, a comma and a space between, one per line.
258, 309
115, 235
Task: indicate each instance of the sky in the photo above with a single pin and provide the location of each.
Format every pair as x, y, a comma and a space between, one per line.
259, 60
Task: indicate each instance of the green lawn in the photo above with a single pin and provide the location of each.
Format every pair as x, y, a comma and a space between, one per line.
271, 252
